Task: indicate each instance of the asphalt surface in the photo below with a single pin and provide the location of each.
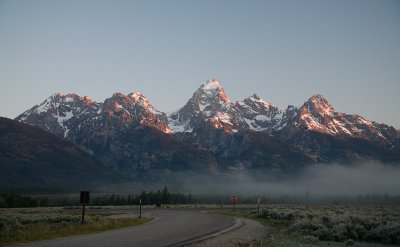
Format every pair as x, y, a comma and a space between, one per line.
169, 228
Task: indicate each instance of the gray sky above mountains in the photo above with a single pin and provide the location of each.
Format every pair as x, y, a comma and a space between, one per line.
285, 51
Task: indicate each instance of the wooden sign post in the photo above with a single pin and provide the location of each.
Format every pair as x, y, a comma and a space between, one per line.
234, 200
84, 199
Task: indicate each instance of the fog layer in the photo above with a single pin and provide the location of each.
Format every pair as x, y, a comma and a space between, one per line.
321, 179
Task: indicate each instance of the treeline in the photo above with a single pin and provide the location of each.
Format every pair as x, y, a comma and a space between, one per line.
35, 190
14, 200
146, 198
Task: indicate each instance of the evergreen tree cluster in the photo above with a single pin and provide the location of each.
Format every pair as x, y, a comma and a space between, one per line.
13, 200
147, 198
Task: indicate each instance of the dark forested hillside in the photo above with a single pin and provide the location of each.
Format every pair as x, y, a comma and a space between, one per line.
32, 157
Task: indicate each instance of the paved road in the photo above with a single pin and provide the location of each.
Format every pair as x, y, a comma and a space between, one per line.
170, 228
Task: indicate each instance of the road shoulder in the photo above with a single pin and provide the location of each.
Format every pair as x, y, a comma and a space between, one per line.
245, 231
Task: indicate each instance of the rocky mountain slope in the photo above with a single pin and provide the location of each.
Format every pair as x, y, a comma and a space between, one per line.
211, 133
208, 106
68, 115
125, 132
54, 113
314, 130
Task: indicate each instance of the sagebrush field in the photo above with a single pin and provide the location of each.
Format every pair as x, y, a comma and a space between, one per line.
334, 223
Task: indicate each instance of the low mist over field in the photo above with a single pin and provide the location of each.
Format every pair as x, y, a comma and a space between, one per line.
322, 179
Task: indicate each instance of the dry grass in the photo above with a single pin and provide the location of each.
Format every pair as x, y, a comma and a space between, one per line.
24, 225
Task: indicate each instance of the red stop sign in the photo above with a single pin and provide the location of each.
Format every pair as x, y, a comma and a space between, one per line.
234, 199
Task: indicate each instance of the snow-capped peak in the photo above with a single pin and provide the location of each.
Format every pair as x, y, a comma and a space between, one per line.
318, 115
59, 99
54, 113
122, 111
211, 92
136, 95
139, 97
71, 97
211, 84
208, 104
318, 104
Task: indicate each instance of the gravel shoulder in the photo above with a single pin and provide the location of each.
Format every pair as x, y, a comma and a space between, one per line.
245, 231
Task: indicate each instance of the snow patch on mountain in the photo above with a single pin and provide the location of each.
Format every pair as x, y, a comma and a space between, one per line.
258, 114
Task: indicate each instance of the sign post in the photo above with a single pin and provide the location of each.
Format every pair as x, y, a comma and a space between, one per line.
234, 200
84, 199
158, 203
140, 208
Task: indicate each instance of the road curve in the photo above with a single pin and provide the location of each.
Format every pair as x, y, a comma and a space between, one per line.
169, 228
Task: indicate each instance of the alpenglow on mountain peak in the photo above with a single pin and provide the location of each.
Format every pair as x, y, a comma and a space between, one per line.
209, 107
140, 98
211, 91
211, 84
317, 103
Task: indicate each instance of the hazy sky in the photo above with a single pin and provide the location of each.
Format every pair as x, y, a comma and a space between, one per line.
286, 51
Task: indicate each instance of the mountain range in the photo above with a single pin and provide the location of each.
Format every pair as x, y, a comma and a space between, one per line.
212, 134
